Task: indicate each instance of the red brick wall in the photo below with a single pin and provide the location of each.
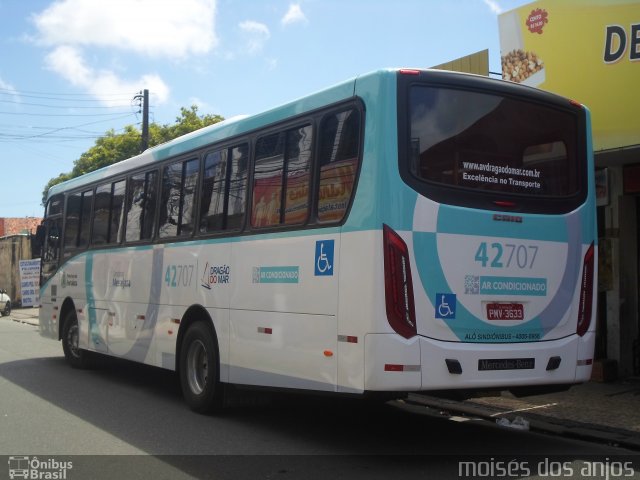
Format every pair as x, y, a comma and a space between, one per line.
16, 226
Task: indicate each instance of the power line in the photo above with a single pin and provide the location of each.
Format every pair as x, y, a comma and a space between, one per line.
60, 106
31, 92
66, 99
65, 114
9, 128
69, 104
55, 130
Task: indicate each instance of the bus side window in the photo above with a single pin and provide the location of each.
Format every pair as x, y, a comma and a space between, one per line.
77, 220
51, 248
117, 212
150, 204
282, 172
141, 206
72, 220
85, 218
101, 210
188, 210
170, 201
338, 160
237, 187
267, 180
54, 205
179, 183
108, 213
299, 152
212, 203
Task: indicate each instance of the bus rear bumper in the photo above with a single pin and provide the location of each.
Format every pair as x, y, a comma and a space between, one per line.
394, 363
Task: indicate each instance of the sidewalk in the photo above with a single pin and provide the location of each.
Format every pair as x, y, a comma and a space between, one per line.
601, 412
595, 411
26, 315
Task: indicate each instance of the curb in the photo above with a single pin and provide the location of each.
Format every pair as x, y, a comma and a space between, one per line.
538, 423
29, 319
26, 321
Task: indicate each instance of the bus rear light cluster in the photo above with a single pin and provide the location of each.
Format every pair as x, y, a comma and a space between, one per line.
586, 292
401, 312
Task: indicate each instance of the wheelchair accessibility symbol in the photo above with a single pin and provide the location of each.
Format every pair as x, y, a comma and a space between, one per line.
324, 258
445, 305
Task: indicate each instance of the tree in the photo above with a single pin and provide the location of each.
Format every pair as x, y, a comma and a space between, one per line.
113, 148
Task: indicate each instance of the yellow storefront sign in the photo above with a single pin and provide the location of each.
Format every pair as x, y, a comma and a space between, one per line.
587, 50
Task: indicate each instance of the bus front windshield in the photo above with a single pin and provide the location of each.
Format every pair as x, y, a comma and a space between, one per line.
473, 140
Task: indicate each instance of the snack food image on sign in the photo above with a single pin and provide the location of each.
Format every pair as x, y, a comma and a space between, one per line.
518, 65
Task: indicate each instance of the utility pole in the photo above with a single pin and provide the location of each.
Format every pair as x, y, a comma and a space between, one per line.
144, 96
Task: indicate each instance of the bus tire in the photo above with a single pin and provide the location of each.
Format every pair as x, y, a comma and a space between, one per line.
199, 369
7, 309
75, 356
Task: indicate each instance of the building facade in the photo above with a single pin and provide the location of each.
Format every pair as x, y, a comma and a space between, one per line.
590, 51
18, 226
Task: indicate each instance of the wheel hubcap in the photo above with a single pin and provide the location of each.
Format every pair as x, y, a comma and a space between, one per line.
72, 340
197, 367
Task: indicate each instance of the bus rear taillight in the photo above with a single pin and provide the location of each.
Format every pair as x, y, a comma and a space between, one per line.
401, 312
586, 292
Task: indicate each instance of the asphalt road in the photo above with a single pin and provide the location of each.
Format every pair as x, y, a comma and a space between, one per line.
136, 413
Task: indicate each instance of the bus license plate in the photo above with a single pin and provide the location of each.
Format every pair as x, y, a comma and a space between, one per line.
505, 311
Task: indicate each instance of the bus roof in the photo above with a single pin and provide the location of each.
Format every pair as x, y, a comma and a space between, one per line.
229, 128
236, 126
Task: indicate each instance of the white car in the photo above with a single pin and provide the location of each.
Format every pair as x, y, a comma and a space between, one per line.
5, 302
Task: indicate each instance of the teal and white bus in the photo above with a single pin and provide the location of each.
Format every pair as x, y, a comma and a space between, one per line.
406, 230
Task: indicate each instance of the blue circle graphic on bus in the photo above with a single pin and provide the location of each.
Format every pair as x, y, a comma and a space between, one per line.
436, 227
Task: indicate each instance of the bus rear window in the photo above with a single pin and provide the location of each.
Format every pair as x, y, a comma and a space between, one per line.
488, 142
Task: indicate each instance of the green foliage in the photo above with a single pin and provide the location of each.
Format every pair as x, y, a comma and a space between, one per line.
113, 148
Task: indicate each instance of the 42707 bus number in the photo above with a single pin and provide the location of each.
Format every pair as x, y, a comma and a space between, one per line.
499, 255
179, 275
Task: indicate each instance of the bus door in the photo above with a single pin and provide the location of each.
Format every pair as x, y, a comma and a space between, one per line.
49, 264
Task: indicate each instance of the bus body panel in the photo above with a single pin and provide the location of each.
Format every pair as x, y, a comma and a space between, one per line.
395, 363
293, 351
534, 265
361, 304
284, 303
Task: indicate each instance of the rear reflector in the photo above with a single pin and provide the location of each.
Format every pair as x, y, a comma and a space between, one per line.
586, 292
504, 203
348, 338
392, 367
401, 312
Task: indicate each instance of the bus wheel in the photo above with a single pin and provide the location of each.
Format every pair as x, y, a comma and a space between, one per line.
7, 309
75, 356
199, 369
